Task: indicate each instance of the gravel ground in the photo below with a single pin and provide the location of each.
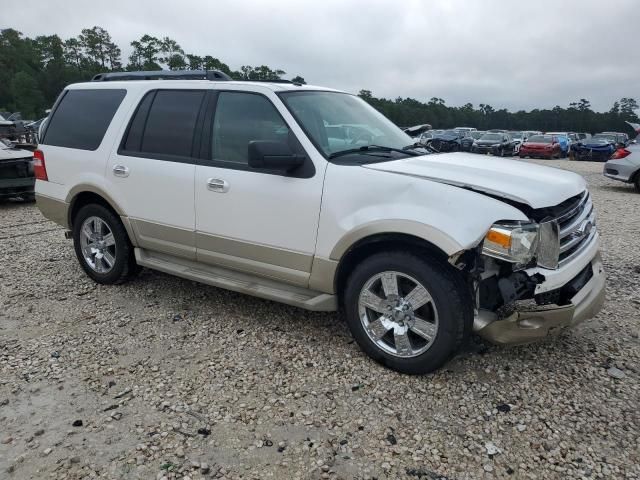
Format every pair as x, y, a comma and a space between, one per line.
166, 378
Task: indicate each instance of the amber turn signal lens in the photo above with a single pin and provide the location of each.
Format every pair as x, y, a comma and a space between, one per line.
499, 238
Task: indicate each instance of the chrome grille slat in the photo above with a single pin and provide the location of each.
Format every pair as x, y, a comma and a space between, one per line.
571, 224
585, 243
567, 242
564, 217
587, 209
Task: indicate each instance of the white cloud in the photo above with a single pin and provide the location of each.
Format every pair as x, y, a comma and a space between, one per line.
518, 55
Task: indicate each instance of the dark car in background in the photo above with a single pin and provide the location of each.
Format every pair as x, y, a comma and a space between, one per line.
467, 142
616, 139
594, 149
541, 146
499, 144
447, 141
426, 137
16, 172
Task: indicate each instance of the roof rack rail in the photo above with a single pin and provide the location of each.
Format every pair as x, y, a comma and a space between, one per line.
214, 75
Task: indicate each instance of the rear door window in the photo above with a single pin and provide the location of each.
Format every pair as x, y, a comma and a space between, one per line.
82, 117
164, 125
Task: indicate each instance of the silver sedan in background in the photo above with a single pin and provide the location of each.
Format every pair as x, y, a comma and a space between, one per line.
624, 165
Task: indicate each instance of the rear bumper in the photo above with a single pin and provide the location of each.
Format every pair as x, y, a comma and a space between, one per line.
622, 170
528, 324
53, 209
11, 187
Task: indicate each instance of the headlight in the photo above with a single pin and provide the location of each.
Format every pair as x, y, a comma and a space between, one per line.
513, 242
495, 145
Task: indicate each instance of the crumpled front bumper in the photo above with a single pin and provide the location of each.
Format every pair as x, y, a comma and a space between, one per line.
528, 325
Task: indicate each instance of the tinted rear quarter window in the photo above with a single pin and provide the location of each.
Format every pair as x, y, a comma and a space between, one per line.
165, 123
82, 117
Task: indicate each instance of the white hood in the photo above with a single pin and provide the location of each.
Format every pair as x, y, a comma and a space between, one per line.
533, 185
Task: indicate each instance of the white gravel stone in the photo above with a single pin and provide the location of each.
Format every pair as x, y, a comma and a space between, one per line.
198, 386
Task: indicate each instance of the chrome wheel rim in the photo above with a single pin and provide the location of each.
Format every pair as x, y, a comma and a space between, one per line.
98, 245
398, 314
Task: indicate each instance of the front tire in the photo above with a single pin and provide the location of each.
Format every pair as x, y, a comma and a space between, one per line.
102, 245
410, 313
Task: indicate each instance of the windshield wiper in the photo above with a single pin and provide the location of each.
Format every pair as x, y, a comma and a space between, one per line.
371, 148
413, 146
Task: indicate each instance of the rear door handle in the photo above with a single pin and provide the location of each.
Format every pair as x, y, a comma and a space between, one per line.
217, 185
120, 171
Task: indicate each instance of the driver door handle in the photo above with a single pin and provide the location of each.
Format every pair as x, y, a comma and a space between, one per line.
217, 185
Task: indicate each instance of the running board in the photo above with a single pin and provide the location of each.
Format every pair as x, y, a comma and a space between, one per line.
237, 281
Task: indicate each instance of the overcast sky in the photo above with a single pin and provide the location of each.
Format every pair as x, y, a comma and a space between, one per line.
507, 53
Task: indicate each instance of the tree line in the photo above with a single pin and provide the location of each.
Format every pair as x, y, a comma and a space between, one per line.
577, 117
33, 71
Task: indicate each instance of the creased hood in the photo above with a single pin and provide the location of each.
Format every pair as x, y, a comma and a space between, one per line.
533, 185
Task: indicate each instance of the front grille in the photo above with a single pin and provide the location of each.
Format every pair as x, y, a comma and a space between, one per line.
577, 228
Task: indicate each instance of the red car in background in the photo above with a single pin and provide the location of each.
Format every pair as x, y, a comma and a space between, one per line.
541, 146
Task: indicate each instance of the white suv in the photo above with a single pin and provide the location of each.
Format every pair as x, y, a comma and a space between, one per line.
310, 197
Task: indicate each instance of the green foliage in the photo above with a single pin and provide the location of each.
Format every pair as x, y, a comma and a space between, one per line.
33, 71
579, 117
28, 97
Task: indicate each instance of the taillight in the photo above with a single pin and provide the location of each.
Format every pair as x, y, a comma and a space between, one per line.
39, 168
620, 153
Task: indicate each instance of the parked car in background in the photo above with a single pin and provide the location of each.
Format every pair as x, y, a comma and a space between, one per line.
565, 142
417, 130
624, 165
426, 137
541, 146
465, 130
593, 149
447, 141
517, 138
584, 136
467, 142
16, 172
526, 134
14, 129
615, 139
419, 250
622, 139
499, 144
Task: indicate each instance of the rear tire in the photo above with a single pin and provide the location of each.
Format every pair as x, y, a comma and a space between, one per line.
415, 326
102, 245
636, 182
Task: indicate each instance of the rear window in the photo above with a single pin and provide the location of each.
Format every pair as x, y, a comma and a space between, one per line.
164, 124
82, 117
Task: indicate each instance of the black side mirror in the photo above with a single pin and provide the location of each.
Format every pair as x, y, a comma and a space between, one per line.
273, 156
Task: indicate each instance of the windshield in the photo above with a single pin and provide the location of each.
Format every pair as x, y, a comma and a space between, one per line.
339, 122
516, 135
541, 139
612, 138
497, 137
476, 135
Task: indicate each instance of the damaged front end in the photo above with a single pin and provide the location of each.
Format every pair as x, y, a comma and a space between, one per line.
534, 279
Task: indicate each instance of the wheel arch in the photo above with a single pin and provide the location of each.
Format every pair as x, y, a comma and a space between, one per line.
380, 242
82, 195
